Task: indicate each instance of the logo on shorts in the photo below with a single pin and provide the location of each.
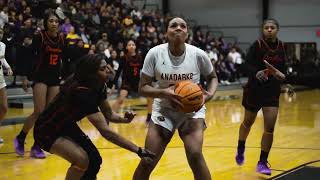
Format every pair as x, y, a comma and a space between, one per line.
161, 118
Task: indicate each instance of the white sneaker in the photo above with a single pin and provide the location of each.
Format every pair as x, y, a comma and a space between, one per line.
1, 140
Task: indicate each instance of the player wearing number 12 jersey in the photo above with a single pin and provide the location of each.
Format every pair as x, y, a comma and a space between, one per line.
130, 68
48, 48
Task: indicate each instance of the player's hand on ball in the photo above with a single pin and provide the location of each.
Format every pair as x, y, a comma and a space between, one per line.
146, 155
174, 98
129, 115
207, 96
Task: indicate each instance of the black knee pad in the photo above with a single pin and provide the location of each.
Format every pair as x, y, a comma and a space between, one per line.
95, 161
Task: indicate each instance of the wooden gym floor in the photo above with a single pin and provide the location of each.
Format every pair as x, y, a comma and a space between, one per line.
296, 141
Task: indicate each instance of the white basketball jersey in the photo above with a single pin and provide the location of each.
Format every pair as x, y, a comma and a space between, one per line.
168, 69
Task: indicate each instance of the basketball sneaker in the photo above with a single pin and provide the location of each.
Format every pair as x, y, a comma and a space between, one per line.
36, 152
18, 147
263, 167
240, 156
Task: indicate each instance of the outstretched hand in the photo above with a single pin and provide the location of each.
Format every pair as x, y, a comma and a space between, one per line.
146, 155
129, 115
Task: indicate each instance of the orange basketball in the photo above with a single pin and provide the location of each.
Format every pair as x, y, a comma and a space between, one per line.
191, 93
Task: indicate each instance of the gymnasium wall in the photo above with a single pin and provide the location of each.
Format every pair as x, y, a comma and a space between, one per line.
242, 18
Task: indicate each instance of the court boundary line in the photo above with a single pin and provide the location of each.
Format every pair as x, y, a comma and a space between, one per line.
176, 147
293, 170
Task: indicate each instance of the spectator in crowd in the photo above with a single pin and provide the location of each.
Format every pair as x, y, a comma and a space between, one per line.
235, 57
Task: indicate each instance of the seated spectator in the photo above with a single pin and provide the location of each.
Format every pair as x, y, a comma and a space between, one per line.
66, 26
222, 71
213, 55
104, 40
127, 21
84, 36
72, 37
235, 57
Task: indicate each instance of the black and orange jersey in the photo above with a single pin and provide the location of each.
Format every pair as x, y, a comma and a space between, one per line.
274, 53
48, 51
131, 67
63, 110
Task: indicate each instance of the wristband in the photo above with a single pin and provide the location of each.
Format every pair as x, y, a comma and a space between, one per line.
139, 152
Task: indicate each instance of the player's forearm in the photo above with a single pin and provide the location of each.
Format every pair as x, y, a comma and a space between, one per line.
149, 91
116, 118
5, 63
212, 88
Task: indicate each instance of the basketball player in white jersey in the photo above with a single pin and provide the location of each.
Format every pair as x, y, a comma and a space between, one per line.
170, 63
3, 93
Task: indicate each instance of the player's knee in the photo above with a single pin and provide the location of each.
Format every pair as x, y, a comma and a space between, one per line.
82, 163
269, 130
79, 167
247, 124
194, 156
37, 112
147, 166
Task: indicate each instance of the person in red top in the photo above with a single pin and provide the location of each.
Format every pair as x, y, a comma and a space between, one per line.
265, 63
130, 68
48, 47
82, 95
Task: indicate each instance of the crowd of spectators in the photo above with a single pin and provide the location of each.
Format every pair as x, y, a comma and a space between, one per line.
103, 26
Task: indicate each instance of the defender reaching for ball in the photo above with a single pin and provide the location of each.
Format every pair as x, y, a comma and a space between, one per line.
170, 63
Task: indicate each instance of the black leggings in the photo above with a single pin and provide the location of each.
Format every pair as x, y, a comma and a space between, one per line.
95, 160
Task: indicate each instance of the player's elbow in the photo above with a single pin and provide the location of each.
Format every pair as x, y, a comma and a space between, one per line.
141, 90
106, 132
